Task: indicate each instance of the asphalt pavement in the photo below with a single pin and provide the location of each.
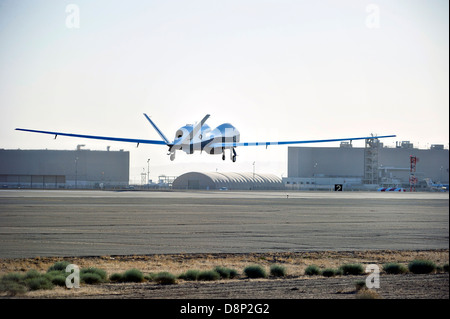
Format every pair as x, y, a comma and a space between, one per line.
97, 223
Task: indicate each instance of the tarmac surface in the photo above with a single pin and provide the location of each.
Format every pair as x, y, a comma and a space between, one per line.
102, 223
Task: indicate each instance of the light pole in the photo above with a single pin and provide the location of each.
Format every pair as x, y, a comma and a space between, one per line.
253, 176
76, 172
314, 175
143, 177
148, 173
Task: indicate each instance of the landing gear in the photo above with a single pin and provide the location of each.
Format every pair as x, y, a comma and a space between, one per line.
172, 156
233, 154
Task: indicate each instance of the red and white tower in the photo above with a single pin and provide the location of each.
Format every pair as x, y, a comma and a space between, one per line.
412, 173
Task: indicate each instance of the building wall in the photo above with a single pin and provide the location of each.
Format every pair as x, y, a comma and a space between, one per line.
433, 164
329, 161
53, 168
394, 163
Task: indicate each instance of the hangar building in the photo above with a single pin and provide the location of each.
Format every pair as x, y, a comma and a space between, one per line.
79, 168
371, 166
230, 181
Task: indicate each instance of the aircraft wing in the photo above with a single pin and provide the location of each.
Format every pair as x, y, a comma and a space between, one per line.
234, 144
107, 138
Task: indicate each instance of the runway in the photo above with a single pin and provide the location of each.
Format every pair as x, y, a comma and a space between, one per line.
97, 223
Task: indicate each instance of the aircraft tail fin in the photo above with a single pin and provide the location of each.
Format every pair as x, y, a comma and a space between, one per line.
157, 130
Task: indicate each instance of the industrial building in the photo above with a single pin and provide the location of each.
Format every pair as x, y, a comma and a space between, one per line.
228, 181
369, 167
79, 168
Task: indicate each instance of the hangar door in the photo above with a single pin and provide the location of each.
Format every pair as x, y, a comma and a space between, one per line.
193, 184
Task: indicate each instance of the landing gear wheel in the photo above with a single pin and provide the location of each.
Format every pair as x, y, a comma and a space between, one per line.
172, 156
233, 158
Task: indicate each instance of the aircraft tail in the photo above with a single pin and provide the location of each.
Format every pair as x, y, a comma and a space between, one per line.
158, 130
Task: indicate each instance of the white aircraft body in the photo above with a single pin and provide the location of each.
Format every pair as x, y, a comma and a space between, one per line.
200, 137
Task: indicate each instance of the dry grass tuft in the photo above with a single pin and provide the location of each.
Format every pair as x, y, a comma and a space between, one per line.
367, 294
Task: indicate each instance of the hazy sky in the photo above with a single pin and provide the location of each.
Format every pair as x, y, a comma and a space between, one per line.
277, 70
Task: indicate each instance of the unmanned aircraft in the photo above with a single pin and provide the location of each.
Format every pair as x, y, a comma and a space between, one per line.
200, 137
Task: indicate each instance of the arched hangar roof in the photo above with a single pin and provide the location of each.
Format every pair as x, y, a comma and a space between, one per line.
231, 180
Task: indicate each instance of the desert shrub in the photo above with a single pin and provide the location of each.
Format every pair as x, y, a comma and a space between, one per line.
352, 269
92, 275
223, 272
208, 275
90, 278
233, 273
13, 284
360, 284
165, 278
312, 270
421, 266
150, 276
133, 275
59, 280
32, 273
394, 268
226, 273
12, 288
278, 271
255, 271
39, 283
13, 277
91, 270
190, 275
329, 272
55, 273
445, 267
116, 277
59, 265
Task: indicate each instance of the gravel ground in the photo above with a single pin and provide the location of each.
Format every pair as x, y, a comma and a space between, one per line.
430, 286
